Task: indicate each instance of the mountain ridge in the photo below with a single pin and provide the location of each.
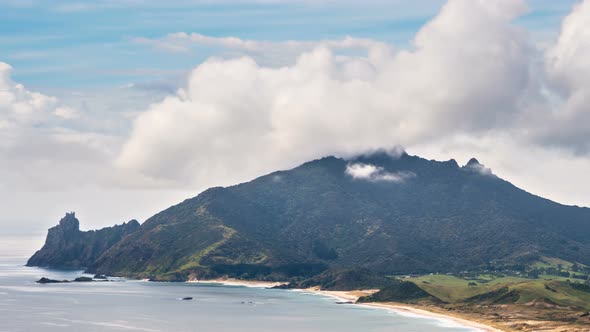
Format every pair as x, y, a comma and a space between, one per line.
387, 213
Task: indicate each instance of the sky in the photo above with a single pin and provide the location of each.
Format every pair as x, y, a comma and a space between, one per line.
119, 109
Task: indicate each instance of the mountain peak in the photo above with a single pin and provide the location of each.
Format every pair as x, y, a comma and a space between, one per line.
69, 223
132, 223
452, 162
475, 166
473, 162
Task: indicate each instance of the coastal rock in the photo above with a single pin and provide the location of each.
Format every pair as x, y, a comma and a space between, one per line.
45, 280
83, 279
68, 247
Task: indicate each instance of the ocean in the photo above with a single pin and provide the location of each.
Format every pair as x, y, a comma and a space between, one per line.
130, 305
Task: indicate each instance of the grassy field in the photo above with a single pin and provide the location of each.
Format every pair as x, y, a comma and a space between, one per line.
550, 262
453, 289
510, 303
551, 290
558, 292
512, 300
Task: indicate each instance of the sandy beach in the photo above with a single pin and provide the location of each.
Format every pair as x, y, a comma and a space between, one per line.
237, 282
421, 312
353, 296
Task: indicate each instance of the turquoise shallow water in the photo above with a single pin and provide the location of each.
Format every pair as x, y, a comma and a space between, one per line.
145, 306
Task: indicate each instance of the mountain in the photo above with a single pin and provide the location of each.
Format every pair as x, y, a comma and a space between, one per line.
389, 214
68, 247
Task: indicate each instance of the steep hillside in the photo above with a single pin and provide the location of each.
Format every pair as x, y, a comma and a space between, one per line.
400, 291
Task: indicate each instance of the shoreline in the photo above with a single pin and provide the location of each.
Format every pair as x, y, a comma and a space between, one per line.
238, 282
353, 296
403, 309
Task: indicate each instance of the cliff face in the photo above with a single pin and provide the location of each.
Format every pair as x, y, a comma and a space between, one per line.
68, 247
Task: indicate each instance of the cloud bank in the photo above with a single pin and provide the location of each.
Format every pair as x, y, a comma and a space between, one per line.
182, 41
471, 72
568, 68
55, 158
38, 142
18, 106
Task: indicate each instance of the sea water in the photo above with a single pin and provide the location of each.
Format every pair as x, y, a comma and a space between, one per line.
131, 305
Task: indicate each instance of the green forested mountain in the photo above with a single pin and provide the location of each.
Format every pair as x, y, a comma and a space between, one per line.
387, 214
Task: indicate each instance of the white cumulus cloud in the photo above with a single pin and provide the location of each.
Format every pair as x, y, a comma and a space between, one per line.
368, 172
19, 106
182, 41
66, 112
568, 67
37, 148
467, 72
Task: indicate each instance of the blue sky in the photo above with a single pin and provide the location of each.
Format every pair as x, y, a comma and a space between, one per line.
78, 45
